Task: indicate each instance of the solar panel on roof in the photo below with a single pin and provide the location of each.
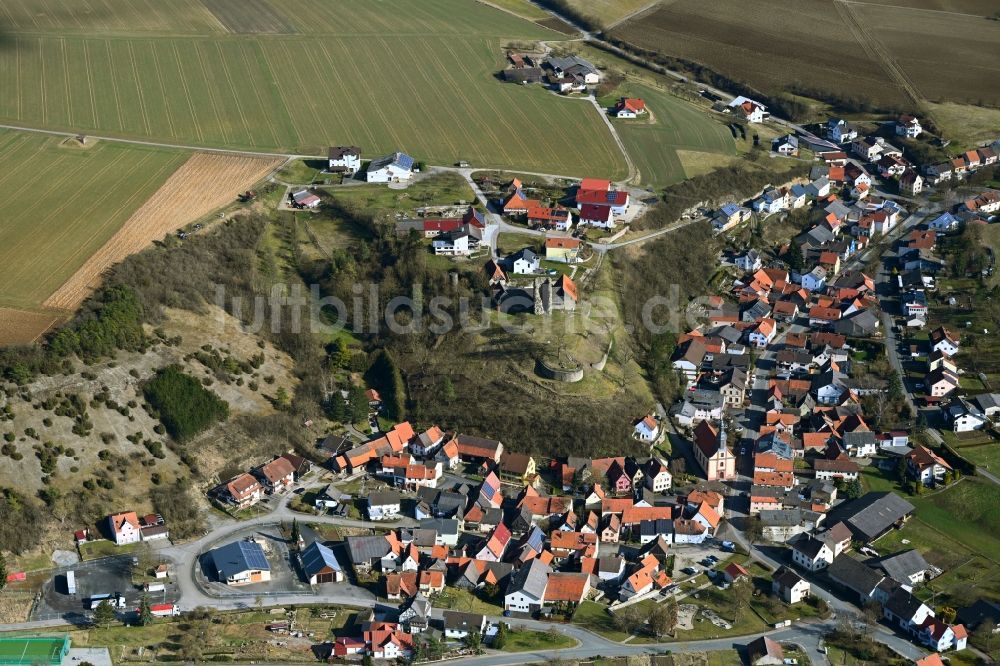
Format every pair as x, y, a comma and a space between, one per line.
404, 161
254, 555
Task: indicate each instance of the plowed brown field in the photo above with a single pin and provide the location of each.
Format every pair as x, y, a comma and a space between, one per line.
20, 327
202, 184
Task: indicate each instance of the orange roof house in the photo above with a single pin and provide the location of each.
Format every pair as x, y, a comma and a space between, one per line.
567, 587
595, 184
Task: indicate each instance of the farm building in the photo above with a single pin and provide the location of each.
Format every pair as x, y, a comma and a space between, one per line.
305, 199
241, 563
320, 565
33, 650
390, 168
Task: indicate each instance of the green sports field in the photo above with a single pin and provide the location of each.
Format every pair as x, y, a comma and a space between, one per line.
31, 650
296, 75
674, 125
61, 203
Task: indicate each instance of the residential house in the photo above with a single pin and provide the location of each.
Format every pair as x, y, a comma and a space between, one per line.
277, 475
906, 611
908, 126
385, 640
810, 552
911, 183
124, 528
589, 195
244, 490
907, 567
815, 279
839, 469
763, 333
790, 586
787, 144
344, 159
841, 131
926, 466
748, 109
563, 250
393, 168
647, 429
461, 242
458, 625
656, 475
597, 216
517, 467
749, 261
525, 591
557, 218
383, 505
941, 382
964, 415
728, 216
629, 107
943, 222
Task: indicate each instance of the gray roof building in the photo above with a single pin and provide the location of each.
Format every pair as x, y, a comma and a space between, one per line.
530, 579
872, 515
903, 567
317, 559
239, 556
854, 575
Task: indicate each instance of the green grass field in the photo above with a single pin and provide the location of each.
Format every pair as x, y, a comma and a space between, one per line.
34, 650
62, 203
676, 125
418, 77
956, 530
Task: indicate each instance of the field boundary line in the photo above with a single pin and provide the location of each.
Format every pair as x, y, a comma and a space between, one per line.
136, 200
256, 92
355, 108
56, 184
66, 79
187, 91
114, 83
138, 87
163, 88
880, 54
90, 83
158, 144
232, 88
212, 91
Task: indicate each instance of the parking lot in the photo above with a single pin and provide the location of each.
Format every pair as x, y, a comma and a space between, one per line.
692, 556
107, 575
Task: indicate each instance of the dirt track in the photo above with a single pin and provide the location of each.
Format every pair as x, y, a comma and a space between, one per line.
202, 184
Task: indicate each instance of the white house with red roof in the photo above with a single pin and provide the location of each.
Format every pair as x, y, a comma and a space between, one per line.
647, 429
124, 528
617, 200
597, 216
629, 107
751, 110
